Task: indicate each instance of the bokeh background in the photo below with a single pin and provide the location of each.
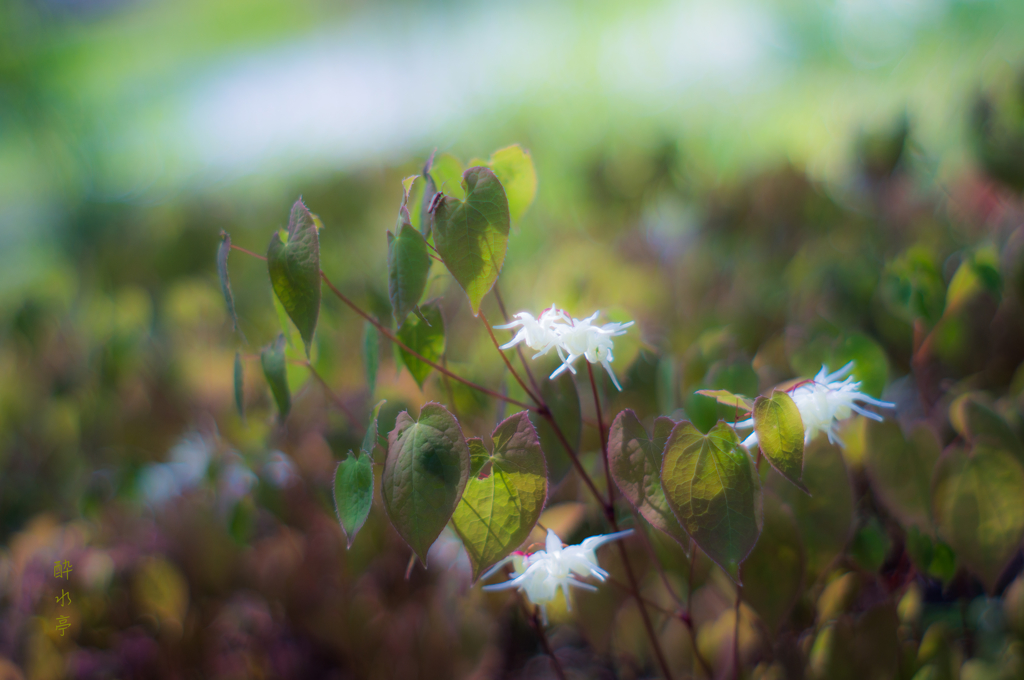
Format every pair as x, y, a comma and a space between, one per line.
762, 186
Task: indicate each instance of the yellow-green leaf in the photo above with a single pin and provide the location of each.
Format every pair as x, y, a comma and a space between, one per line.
513, 166
423, 333
729, 399
501, 505
780, 434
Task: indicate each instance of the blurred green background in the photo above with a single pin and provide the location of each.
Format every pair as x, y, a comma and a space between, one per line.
762, 186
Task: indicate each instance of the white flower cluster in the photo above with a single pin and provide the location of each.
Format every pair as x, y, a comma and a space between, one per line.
823, 402
539, 575
571, 338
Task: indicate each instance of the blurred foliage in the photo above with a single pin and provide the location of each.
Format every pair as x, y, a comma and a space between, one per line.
205, 544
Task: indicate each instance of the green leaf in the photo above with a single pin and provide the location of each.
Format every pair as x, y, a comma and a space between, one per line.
870, 363
729, 399
222, 272
275, 369
424, 334
446, 173
408, 265
711, 487
979, 506
371, 355
976, 422
773, 573
425, 473
479, 456
293, 260
513, 166
635, 460
472, 235
501, 506
370, 438
780, 434
239, 386
564, 403
353, 492
901, 471
979, 272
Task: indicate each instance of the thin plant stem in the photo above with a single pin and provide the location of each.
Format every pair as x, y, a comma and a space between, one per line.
688, 618
448, 388
333, 396
539, 627
736, 636
490, 332
654, 558
391, 336
604, 438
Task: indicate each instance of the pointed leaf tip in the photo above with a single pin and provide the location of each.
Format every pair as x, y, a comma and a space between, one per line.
294, 267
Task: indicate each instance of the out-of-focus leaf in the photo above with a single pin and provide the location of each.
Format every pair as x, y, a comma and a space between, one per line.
912, 286
870, 363
780, 434
408, 265
293, 260
222, 272
239, 386
979, 272
979, 506
425, 474
979, 424
446, 171
901, 470
424, 334
499, 509
353, 491
371, 355
712, 489
774, 571
734, 376
825, 516
370, 438
870, 545
729, 399
513, 166
635, 464
276, 372
472, 234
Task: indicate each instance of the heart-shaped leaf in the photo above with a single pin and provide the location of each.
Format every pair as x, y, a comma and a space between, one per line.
472, 234
501, 505
425, 473
353, 493
513, 166
780, 434
635, 459
423, 333
408, 265
239, 386
222, 272
275, 370
711, 487
293, 260
979, 507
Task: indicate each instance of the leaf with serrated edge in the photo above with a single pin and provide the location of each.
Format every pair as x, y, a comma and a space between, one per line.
425, 337
472, 235
275, 370
371, 355
370, 438
729, 399
780, 434
239, 386
294, 267
425, 473
979, 507
497, 512
635, 464
711, 487
225, 281
353, 493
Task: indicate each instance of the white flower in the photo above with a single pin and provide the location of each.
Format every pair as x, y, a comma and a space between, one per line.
540, 574
539, 334
572, 338
823, 401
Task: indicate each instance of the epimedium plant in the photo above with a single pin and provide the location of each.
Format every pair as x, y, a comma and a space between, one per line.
701, 487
